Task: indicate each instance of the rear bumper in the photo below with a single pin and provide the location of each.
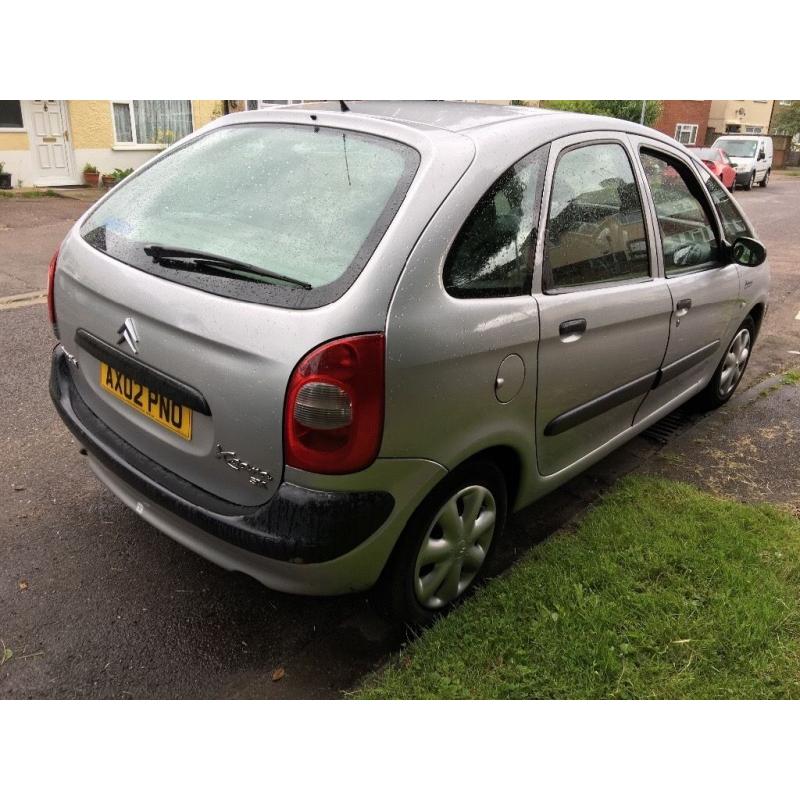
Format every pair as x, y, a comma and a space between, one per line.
308, 541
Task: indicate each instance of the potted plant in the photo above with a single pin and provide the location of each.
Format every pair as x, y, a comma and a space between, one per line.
5, 177
91, 175
112, 178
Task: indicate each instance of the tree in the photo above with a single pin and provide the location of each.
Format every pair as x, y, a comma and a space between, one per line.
621, 109
787, 119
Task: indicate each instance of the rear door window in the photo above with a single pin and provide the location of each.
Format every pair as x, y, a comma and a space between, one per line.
307, 203
595, 230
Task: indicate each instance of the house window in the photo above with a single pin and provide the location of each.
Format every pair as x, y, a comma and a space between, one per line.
254, 105
151, 122
686, 133
753, 129
10, 114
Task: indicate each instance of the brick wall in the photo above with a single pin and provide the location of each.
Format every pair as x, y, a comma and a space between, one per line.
691, 112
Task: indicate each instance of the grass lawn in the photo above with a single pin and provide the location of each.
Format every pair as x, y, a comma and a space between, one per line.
28, 194
662, 591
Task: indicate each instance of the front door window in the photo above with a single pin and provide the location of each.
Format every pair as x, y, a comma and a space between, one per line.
687, 235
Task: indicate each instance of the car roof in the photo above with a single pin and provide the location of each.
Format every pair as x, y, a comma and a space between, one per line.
448, 115
440, 124
743, 136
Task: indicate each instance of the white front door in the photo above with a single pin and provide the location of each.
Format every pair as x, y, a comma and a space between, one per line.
49, 137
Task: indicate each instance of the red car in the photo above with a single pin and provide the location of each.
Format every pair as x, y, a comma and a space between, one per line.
717, 162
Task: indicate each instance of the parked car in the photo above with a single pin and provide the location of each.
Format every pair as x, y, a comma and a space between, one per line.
718, 164
750, 155
333, 349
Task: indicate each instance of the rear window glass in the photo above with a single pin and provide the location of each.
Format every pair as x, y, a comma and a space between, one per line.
291, 202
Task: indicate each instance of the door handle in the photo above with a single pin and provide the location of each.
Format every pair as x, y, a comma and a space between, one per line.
683, 306
572, 329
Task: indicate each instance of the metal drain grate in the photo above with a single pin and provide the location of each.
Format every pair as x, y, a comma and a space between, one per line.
668, 428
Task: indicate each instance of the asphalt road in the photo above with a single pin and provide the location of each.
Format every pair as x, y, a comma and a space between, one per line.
30, 231
95, 603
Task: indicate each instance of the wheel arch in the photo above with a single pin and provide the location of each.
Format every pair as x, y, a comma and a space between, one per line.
508, 461
505, 457
757, 315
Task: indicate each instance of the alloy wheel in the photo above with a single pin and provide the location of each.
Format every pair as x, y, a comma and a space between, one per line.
455, 547
735, 362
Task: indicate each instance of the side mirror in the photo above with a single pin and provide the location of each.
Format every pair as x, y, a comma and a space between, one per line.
748, 252
761, 156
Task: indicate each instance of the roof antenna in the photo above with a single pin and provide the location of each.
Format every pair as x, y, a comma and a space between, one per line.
346, 163
343, 106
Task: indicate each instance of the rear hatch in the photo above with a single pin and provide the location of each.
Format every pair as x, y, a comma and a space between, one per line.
190, 293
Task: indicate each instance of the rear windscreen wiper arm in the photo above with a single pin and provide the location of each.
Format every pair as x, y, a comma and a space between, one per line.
160, 254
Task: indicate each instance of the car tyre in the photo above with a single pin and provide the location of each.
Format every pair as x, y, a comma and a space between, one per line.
730, 370
765, 179
751, 181
444, 550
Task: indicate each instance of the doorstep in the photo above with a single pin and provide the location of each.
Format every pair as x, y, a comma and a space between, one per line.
88, 194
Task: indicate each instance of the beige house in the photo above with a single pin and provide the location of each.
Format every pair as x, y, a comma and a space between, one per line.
740, 116
48, 142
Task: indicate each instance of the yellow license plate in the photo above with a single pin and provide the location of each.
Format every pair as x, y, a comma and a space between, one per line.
152, 404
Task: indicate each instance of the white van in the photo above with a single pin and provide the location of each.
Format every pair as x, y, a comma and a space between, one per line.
751, 156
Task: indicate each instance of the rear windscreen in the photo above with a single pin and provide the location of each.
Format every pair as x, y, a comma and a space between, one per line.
303, 203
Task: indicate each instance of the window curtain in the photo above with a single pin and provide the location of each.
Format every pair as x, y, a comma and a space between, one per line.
162, 121
122, 122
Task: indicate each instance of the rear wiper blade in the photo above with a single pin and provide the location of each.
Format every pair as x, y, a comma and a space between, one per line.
160, 254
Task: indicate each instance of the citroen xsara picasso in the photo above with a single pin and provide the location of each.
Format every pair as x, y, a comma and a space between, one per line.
332, 348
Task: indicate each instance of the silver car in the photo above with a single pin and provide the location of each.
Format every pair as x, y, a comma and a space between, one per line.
333, 346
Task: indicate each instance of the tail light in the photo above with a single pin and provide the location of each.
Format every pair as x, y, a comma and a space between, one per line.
333, 419
51, 302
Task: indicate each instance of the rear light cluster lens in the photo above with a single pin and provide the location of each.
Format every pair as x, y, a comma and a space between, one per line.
333, 420
51, 302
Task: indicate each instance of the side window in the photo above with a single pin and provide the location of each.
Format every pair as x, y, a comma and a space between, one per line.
687, 235
595, 228
493, 253
733, 223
